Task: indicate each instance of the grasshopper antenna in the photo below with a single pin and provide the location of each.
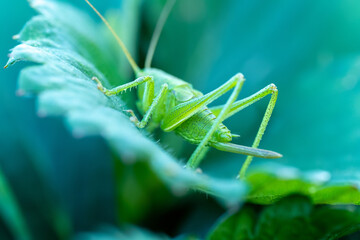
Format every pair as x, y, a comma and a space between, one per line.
133, 64
156, 35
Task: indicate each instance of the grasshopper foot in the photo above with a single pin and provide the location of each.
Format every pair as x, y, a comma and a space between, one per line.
99, 85
133, 117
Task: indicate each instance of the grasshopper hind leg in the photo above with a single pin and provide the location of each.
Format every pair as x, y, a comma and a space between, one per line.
249, 151
230, 108
270, 89
243, 103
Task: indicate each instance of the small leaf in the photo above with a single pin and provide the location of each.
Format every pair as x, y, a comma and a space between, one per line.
270, 182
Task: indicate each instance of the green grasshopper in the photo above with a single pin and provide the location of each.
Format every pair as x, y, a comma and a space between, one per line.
174, 105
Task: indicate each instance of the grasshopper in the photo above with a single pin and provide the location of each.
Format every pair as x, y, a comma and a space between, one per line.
173, 104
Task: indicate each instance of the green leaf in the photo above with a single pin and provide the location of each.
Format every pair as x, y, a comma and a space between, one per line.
336, 222
69, 56
271, 182
292, 217
237, 226
286, 219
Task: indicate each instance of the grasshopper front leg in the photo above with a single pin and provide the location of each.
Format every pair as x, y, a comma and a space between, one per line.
149, 103
156, 101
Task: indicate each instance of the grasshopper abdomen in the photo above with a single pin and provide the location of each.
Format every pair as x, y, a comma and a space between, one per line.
195, 128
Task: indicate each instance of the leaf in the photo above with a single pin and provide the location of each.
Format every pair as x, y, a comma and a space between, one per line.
286, 219
69, 55
237, 226
271, 182
336, 222
292, 217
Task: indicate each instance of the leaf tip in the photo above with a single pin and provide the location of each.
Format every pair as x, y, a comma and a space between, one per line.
10, 62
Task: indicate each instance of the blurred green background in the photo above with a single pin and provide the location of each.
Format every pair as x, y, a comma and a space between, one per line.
309, 49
